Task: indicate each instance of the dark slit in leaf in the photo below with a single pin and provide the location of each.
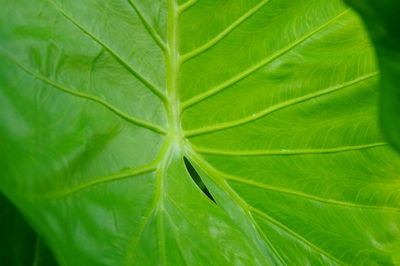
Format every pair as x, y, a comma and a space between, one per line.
197, 179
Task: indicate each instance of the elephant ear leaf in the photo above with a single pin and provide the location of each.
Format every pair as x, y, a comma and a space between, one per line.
382, 21
197, 132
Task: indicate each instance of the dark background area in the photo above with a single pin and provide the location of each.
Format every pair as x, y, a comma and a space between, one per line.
19, 243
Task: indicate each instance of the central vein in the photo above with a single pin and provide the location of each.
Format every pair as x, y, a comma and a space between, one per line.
172, 62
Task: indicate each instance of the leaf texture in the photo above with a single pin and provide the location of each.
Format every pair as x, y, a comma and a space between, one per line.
272, 101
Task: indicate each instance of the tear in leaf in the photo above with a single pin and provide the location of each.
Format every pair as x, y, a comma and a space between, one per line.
197, 179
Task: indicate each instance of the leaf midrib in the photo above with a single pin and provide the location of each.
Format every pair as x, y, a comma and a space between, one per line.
174, 134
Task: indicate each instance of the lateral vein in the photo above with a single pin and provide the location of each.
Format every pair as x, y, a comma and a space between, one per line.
296, 235
160, 162
246, 206
154, 35
283, 152
142, 123
224, 85
177, 240
135, 241
212, 171
228, 177
307, 196
185, 6
271, 109
127, 66
199, 50
148, 168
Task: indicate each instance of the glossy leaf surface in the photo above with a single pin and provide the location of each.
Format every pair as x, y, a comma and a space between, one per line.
273, 103
382, 20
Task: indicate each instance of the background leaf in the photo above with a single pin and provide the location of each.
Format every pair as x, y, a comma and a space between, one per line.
20, 245
382, 19
272, 102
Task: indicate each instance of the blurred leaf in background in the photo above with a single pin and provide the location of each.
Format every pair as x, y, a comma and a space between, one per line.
19, 244
382, 21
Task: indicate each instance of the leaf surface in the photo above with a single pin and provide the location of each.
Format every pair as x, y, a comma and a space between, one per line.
272, 102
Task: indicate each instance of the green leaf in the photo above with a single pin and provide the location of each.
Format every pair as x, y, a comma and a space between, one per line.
272, 102
381, 18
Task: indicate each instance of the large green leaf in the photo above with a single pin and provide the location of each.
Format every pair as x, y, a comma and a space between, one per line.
382, 20
273, 103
